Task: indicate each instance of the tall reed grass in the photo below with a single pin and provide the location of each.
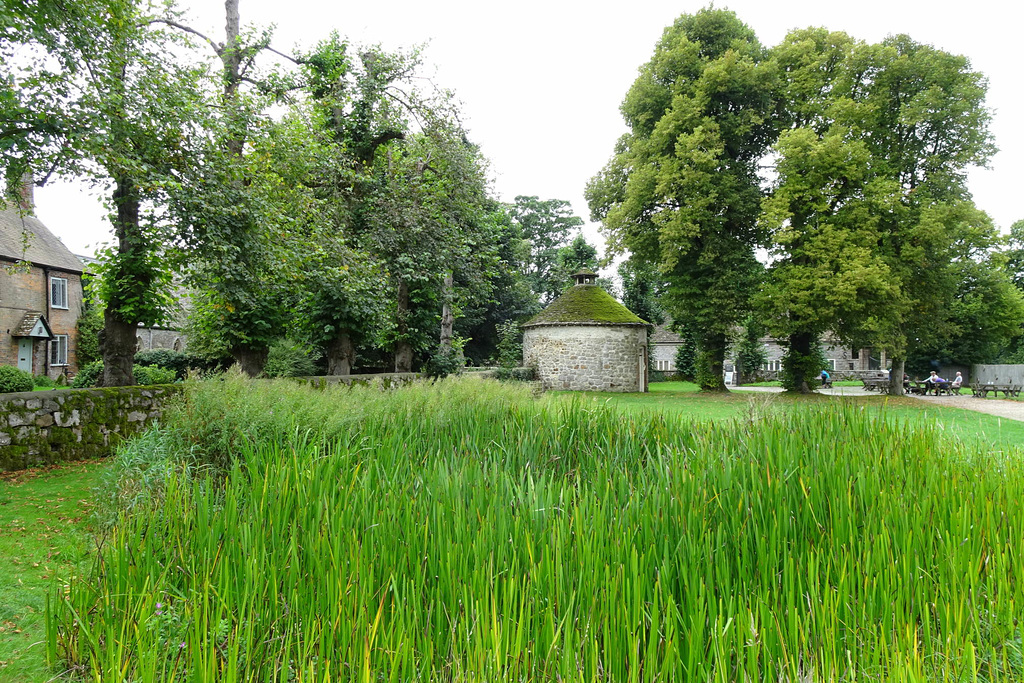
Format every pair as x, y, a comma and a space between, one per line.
466, 532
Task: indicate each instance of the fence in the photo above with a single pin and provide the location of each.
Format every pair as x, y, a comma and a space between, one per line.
998, 374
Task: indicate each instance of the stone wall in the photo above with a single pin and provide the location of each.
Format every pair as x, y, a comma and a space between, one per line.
587, 357
46, 427
385, 380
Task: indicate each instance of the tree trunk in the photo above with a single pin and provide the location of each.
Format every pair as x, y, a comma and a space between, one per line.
118, 338
447, 319
251, 361
341, 354
800, 346
117, 344
231, 58
403, 349
711, 366
896, 376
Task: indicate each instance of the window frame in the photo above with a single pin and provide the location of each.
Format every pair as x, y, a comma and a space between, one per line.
59, 350
61, 284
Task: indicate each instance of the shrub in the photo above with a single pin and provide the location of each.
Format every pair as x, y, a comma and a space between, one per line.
515, 374
12, 379
44, 382
178, 361
88, 375
442, 364
153, 375
289, 358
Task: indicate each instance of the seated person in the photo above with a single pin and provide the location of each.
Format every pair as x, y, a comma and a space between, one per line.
957, 381
935, 381
826, 379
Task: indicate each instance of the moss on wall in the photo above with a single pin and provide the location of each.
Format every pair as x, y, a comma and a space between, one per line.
47, 427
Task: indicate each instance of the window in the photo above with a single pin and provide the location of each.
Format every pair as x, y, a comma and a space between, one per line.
59, 292
831, 364
59, 350
772, 366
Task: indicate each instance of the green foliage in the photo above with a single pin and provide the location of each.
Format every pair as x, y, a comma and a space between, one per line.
510, 344
442, 363
289, 358
686, 355
140, 473
511, 297
751, 354
146, 375
43, 382
1015, 254
178, 361
642, 289
13, 380
90, 322
544, 227
88, 375
800, 368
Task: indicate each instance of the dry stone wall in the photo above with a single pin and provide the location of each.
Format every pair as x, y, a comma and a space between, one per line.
586, 357
46, 427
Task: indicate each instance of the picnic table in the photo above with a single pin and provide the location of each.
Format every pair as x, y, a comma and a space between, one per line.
880, 384
915, 387
981, 390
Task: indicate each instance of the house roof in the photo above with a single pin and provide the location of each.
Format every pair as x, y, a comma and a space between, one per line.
23, 237
33, 325
585, 305
663, 335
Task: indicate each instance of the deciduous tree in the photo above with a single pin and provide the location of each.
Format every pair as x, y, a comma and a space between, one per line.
682, 190
94, 89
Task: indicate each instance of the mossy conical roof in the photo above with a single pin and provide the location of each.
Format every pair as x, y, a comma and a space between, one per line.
585, 305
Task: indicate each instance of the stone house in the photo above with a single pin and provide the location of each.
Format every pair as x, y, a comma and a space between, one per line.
585, 340
40, 294
841, 361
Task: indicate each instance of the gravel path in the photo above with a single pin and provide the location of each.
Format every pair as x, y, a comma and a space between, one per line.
1008, 408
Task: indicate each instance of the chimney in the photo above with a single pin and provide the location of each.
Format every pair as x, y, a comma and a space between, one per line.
585, 277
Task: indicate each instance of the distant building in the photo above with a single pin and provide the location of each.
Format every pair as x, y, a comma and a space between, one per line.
40, 294
844, 360
586, 340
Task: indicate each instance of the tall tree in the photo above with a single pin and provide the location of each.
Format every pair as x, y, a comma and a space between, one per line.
545, 226
822, 218
234, 252
682, 190
923, 117
104, 96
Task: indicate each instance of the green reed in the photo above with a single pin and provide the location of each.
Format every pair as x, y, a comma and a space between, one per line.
466, 532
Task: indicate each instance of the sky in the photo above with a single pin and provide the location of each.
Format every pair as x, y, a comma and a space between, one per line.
540, 83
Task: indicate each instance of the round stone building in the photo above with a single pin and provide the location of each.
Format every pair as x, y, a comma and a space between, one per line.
587, 341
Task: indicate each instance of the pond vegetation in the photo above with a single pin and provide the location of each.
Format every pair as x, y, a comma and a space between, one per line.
468, 531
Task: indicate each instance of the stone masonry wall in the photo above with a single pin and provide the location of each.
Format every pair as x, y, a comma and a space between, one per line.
46, 427
586, 357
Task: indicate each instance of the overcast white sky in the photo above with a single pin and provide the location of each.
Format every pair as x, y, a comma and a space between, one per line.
541, 82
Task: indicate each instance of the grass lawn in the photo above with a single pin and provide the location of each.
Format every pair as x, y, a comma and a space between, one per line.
685, 400
44, 515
